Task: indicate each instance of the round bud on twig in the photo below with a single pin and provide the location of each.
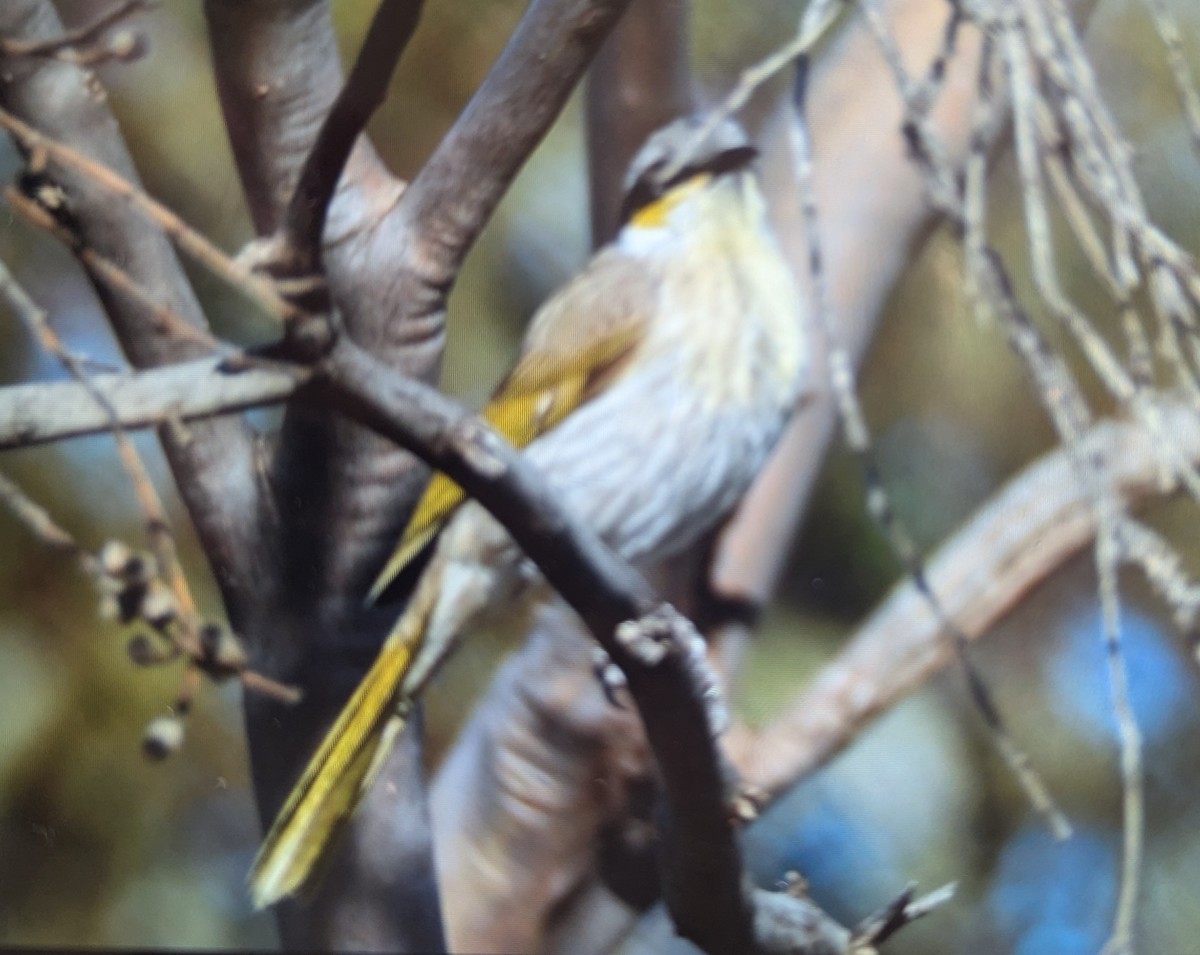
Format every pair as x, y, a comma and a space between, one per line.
164, 736
119, 561
127, 45
158, 606
223, 655
141, 651
140, 568
129, 602
114, 556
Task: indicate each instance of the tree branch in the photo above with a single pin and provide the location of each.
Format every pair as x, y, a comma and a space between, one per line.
453, 197
640, 80
214, 468
343, 492
1043, 517
51, 411
393, 25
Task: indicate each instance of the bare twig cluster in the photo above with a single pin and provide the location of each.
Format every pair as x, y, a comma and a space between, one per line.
1065, 133
133, 588
147, 588
92, 43
1033, 61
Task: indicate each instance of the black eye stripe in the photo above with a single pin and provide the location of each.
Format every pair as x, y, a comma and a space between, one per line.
726, 161
648, 189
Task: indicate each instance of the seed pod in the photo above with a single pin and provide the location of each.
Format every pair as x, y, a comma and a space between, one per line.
127, 45
141, 651
114, 556
120, 562
223, 655
163, 736
158, 605
140, 568
129, 602
110, 607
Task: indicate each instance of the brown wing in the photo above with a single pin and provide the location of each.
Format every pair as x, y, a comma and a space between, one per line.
555, 374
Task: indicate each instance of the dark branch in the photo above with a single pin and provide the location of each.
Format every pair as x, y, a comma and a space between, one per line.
654, 646
393, 26
79, 36
454, 196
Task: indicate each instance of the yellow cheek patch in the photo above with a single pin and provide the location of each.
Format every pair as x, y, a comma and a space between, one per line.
654, 216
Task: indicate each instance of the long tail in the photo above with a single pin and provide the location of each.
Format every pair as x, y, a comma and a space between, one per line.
342, 769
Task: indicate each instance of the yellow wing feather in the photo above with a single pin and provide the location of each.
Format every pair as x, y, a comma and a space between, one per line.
334, 780
531, 400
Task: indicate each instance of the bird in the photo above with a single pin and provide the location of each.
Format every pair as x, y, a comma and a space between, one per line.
649, 391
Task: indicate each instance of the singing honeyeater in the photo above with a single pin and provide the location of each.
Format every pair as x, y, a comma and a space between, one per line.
649, 391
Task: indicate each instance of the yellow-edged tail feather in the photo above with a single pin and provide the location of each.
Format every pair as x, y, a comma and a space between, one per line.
542, 390
336, 777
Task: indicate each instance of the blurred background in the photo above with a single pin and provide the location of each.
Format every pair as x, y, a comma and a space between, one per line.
99, 847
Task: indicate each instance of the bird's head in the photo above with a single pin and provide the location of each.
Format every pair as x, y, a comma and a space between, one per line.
681, 160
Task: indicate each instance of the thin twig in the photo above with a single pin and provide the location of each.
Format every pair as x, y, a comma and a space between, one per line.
79, 36
36, 518
185, 638
818, 17
166, 319
260, 290
158, 527
1164, 569
1026, 532
393, 25
1171, 36
930, 155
